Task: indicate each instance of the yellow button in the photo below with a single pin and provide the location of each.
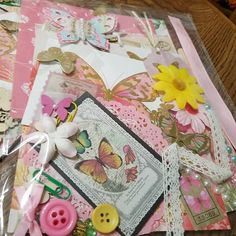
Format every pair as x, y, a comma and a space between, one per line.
105, 218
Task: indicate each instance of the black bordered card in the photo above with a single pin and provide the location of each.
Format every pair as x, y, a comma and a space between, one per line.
113, 166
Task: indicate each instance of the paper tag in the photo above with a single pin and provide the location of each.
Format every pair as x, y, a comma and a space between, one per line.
199, 202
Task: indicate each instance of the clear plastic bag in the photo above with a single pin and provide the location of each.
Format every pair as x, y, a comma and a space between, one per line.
33, 176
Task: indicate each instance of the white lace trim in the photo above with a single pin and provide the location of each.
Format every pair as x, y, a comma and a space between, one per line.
220, 150
173, 218
216, 172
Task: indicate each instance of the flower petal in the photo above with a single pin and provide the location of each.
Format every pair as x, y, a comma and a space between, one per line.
173, 72
162, 77
65, 147
184, 75
197, 126
67, 130
183, 117
169, 96
200, 98
204, 119
46, 152
48, 124
181, 101
163, 69
192, 102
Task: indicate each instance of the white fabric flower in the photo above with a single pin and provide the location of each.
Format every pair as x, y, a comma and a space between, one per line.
54, 138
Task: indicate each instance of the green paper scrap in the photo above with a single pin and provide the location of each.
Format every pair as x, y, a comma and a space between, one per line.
14, 3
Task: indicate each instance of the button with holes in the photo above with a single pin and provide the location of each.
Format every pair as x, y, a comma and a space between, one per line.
58, 218
105, 218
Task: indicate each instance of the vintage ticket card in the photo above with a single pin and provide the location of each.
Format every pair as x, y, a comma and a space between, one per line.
113, 166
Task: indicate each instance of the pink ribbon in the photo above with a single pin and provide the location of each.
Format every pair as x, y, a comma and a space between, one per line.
223, 113
29, 201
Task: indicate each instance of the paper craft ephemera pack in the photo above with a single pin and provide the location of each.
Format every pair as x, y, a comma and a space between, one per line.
118, 113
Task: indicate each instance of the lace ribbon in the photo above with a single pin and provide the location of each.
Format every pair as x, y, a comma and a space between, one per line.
220, 150
216, 172
173, 218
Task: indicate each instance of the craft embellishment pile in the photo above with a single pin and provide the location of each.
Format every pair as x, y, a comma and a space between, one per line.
115, 123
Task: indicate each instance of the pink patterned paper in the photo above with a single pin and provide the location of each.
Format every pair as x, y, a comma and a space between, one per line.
32, 11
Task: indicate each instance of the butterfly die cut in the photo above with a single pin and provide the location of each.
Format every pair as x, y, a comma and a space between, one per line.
82, 142
66, 59
186, 182
96, 167
136, 87
73, 30
199, 203
60, 108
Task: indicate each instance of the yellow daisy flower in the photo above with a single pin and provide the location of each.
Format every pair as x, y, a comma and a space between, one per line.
179, 85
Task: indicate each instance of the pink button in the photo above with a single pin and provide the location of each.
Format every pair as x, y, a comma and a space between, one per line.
58, 218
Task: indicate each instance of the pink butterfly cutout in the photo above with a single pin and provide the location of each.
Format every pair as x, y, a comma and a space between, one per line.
187, 181
197, 204
129, 154
60, 108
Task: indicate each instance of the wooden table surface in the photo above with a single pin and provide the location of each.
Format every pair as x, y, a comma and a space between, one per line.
219, 37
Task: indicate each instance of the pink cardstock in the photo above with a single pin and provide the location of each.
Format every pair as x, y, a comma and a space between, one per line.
32, 12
